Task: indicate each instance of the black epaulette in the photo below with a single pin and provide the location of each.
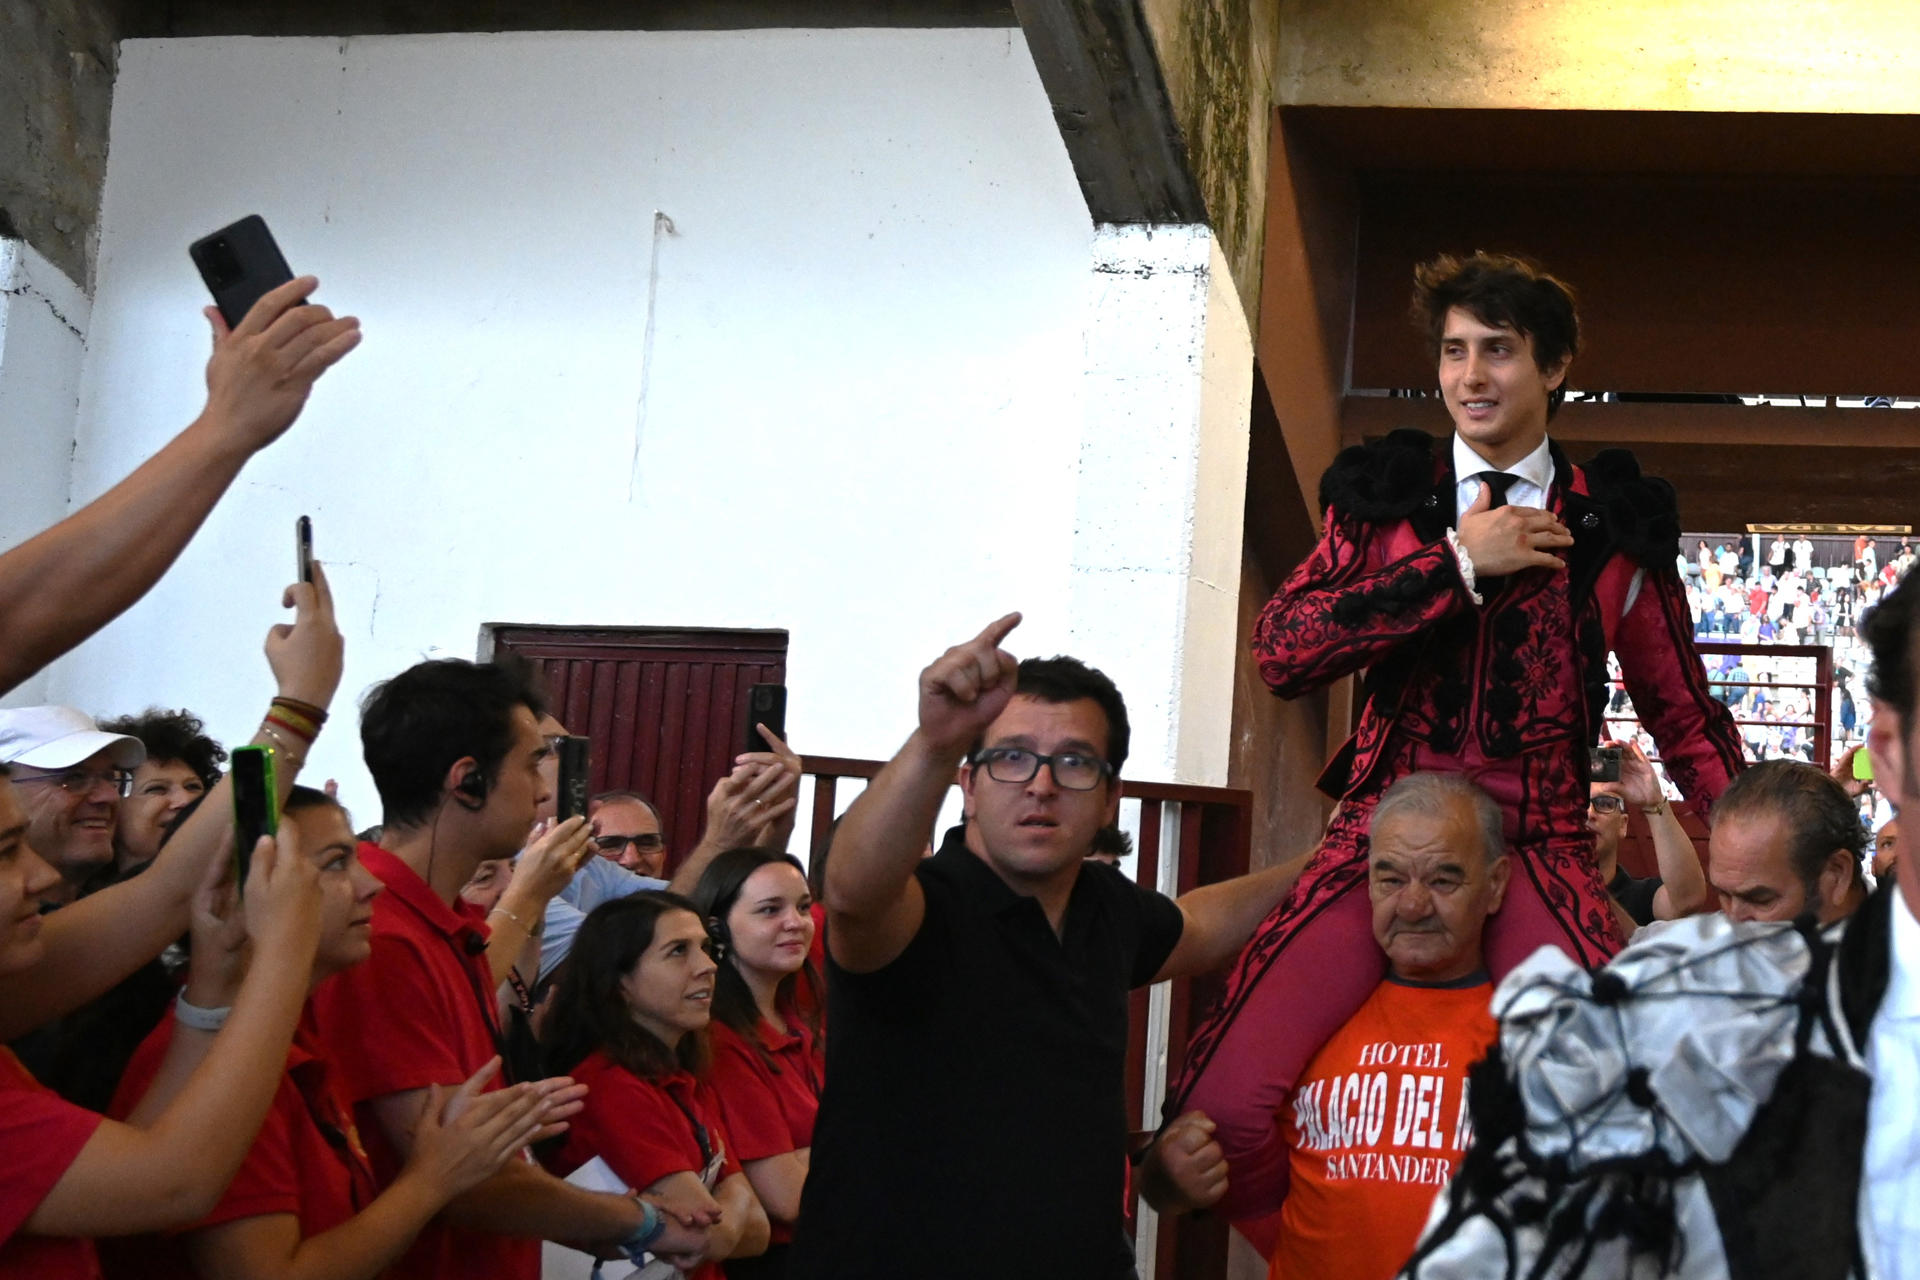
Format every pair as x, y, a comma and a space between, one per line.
1641, 513
1383, 480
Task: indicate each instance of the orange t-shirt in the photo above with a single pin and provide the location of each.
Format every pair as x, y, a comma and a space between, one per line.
1376, 1126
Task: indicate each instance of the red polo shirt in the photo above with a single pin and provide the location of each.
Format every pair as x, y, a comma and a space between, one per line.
418, 1012
307, 1160
41, 1134
647, 1130
768, 1100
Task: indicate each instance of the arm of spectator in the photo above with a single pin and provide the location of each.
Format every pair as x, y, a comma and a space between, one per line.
127, 1179
213, 982
96, 942
739, 809
874, 903
1337, 613
1683, 885
60, 587
520, 1199
462, 1140
743, 1229
777, 833
1184, 1170
544, 868
1221, 917
778, 1181
1698, 741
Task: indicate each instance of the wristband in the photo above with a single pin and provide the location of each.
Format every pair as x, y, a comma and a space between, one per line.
192, 1015
653, 1225
1657, 810
316, 714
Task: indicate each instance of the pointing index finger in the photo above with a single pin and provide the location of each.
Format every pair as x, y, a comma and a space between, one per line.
1000, 630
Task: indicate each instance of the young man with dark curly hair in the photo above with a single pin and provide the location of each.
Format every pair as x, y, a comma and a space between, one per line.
1479, 583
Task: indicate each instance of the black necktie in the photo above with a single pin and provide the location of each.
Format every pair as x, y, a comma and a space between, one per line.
1498, 482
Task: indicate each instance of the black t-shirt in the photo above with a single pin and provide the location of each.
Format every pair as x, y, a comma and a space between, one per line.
1634, 895
974, 1116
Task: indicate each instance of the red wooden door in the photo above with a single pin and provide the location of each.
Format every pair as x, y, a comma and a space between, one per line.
662, 707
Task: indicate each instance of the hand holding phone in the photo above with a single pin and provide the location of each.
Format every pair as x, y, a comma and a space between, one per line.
571, 798
766, 705
256, 805
303, 549
240, 264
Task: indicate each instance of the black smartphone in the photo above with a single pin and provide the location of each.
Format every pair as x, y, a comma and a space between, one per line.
766, 705
256, 805
1605, 765
572, 799
303, 548
240, 264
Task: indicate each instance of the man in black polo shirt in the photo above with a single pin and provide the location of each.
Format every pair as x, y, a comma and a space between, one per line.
974, 1119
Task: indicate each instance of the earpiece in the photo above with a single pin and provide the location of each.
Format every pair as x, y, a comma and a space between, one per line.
471, 790
722, 943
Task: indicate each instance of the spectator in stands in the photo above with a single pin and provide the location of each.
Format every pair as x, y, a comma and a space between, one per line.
303, 1205
60, 587
630, 1022
1786, 840
70, 1174
1379, 1117
1681, 887
1007, 937
1777, 554
627, 832
71, 777
1802, 554
182, 763
768, 1055
455, 751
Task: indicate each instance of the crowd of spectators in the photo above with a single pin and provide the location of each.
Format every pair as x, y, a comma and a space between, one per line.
426, 1050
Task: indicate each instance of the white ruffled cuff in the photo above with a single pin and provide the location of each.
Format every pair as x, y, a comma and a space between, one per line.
1465, 562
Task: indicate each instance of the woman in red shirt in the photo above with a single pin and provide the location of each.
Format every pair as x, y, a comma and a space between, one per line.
629, 1021
67, 1174
767, 1049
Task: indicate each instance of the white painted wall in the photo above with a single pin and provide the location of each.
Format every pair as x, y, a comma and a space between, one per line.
43, 322
865, 415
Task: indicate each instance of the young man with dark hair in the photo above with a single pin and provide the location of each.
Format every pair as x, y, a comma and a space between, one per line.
1480, 584
1786, 841
974, 1118
182, 763
455, 750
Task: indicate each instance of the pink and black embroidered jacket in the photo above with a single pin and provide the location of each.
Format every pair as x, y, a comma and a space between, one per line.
1527, 670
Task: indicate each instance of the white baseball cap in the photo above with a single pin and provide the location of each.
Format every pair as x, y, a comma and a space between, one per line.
61, 737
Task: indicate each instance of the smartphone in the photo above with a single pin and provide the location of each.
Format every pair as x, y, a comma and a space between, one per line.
303, 548
240, 264
1605, 765
572, 799
256, 806
766, 705
1862, 766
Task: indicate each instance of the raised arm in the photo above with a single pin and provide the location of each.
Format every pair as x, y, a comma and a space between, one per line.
1683, 885
128, 1180
874, 903
752, 805
544, 868
96, 942
60, 587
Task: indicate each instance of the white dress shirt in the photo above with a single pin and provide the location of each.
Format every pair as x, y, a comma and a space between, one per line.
1534, 473
1892, 1172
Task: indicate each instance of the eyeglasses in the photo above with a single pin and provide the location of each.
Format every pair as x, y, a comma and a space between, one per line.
1071, 770
79, 782
614, 844
1606, 803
